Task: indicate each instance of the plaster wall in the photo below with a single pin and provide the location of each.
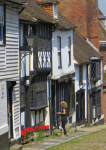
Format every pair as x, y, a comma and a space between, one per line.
77, 87
66, 68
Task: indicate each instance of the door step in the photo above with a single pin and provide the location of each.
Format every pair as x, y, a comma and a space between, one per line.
16, 147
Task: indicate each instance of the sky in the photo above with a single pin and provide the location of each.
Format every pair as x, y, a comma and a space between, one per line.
102, 6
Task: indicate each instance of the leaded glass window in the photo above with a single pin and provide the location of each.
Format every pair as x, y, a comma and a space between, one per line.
41, 90
61, 93
80, 74
71, 100
31, 96
95, 70
22, 95
96, 101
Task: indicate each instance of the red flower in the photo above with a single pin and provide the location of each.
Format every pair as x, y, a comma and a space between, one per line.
22, 133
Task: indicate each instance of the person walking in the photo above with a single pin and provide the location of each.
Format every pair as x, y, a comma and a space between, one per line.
63, 116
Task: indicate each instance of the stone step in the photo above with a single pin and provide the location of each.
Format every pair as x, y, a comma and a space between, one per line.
16, 147
73, 129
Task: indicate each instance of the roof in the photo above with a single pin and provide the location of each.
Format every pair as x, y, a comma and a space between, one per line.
102, 32
100, 12
34, 12
12, 3
47, 1
64, 23
82, 50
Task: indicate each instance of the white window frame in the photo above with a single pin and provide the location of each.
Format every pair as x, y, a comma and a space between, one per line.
55, 12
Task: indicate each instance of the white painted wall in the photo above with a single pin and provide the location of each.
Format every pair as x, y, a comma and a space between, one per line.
77, 87
10, 66
64, 52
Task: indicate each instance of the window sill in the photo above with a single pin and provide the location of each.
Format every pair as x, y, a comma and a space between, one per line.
2, 44
38, 108
60, 67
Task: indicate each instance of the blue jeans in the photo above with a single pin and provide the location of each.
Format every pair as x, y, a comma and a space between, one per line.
63, 126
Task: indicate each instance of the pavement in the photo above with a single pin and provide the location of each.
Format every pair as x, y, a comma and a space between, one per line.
48, 142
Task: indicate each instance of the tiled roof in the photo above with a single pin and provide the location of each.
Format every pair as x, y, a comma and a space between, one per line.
35, 12
47, 1
17, 1
64, 23
100, 12
82, 50
102, 33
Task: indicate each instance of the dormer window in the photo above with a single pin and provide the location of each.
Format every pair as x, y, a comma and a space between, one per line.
55, 11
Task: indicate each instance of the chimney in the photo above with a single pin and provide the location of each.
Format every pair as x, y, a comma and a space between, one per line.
84, 14
49, 6
93, 22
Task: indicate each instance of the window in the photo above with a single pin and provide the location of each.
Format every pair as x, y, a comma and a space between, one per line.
41, 90
22, 95
31, 96
80, 74
96, 97
1, 23
55, 11
38, 92
95, 71
69, 50
61, 93
71, 101
59, 51
25, 33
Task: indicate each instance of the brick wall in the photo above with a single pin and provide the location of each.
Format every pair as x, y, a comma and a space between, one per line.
48, 9
103, 52
93, 22
103, 106
84, 14
75, 12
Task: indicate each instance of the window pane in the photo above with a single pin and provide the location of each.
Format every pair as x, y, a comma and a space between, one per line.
59, 50
22, 100
59, 59
69, 56
69, 49
93, 70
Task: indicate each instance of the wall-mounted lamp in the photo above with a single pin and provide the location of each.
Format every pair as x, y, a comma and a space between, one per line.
30, 38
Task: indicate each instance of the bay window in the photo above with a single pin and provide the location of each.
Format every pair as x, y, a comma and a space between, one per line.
95, 70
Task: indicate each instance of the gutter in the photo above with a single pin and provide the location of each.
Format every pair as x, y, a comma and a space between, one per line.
21, 10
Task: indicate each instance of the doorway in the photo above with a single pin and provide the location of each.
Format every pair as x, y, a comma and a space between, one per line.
80, 107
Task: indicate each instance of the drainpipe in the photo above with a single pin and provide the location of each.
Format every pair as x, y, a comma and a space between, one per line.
50, 102
55, 105
87, 90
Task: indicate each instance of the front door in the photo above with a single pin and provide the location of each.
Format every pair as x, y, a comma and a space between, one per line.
80, 108
10, 112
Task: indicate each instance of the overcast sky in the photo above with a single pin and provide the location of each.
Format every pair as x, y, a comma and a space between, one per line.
102, 6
